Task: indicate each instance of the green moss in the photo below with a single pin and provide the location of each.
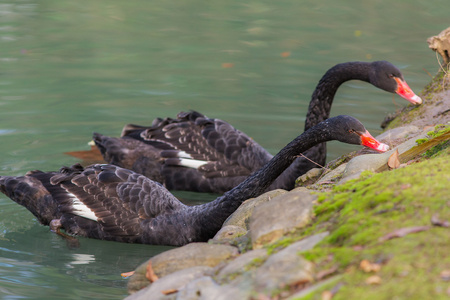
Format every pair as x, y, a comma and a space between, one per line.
357, 214
437, 150
280, 244
421, 141
255, 263
436, 85
438, 131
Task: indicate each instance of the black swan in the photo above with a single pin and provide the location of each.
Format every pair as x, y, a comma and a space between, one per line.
111, 203
195, 153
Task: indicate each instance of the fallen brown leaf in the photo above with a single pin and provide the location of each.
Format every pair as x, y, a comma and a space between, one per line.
358, 248
403, 231
127, 274
324, 273
405, 186
436, 222
285, 54
445, 275
375, 279
367, 266
168, 292
327, 295
150, 274
227, 65
394, 161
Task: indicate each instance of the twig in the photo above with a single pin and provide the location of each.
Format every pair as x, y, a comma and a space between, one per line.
443, 69
428, 73
320, 166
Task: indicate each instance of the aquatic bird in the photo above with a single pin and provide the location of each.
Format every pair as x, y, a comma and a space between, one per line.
196, 153
111, 203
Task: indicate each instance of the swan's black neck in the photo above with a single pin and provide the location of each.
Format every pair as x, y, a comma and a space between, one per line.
323, 95
318, 111
213, 214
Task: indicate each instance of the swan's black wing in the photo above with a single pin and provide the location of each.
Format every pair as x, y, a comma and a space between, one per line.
191, 152
131, 154
119, 200
212, 146
100, 201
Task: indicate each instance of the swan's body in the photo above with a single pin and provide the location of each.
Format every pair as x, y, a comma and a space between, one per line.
111, 203
196, 153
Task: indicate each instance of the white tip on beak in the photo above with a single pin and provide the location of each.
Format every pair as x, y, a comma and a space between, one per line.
416, 99
383, 147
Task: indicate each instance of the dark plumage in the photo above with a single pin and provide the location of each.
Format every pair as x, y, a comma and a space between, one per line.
196, 153
111, 203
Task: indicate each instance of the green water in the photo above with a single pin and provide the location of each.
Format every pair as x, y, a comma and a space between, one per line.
69, 68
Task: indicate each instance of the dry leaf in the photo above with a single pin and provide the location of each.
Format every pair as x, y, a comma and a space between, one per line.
403, 231
445, 275
436, 222
324, 273
285, 54
375, 279
367, 266
127, 274
393, 161
227, 65
327, 295
168, 292
150, 274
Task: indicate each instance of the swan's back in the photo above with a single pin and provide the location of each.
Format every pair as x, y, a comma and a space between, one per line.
191, 152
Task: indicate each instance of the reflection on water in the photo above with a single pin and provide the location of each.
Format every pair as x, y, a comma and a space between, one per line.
69, 68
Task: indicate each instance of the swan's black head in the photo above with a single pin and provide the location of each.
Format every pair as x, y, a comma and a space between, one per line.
349, 130
386, 76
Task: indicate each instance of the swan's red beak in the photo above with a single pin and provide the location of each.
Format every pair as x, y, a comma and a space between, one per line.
405, 91
369, 141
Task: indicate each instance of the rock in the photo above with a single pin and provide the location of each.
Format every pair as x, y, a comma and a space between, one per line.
283, 270
287, 267
398, 133
229, 233
332, 175
191, 255
301, 189
207, 288
170, 283
305, 244
241, 216
349, 177
309, 177
238, 264
271, 220
314, 288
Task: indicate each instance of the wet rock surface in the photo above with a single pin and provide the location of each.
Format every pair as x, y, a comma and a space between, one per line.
169, 284
266, 226
241, 216
191, 255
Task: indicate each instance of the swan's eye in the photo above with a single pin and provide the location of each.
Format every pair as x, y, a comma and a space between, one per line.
391, 76
351, 130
